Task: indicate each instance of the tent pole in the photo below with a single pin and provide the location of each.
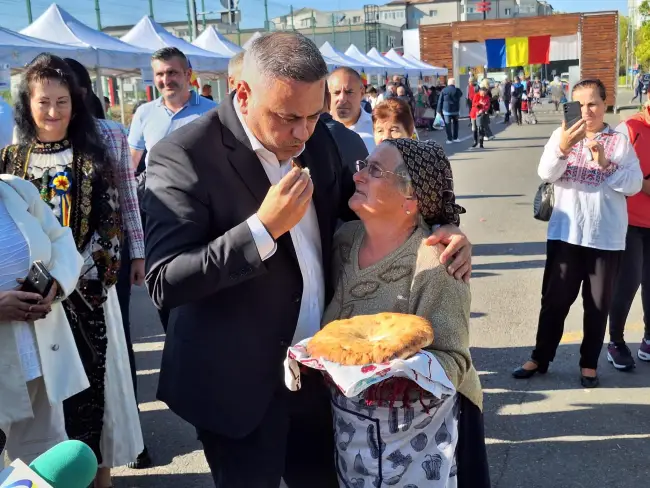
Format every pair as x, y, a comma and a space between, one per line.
99, 89
122, 102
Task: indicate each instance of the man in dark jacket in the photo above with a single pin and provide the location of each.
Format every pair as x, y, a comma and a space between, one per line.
507, 98
449, 108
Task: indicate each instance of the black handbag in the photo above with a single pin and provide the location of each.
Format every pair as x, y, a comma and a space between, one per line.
544, 201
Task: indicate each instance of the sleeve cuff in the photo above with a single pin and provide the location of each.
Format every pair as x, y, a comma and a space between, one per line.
265, 244
137, 147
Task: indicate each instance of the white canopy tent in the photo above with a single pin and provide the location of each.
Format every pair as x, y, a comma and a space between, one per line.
151, 36
328, 52
409, 68
211, 40
391, 67
17, 50
370, 66
248, 43
57, 25
427, 69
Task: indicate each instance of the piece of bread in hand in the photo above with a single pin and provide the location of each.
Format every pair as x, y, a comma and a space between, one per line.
367, 339
296, 164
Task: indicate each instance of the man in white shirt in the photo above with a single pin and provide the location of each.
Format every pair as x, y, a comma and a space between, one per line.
347, 91
6, 123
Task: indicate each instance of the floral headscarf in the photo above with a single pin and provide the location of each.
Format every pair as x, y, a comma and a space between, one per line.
432, 179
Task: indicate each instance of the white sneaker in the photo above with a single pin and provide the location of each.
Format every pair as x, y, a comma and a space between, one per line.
449, 142
491, 138
456, 140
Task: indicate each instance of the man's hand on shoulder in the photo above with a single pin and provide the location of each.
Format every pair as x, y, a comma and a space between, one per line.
457, 248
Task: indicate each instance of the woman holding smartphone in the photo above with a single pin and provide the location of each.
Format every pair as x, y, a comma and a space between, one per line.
61, 150
39, 362
592, 168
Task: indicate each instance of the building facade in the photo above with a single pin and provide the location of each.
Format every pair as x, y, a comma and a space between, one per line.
409, 14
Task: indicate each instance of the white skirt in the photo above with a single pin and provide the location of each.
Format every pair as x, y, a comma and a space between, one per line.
121, 440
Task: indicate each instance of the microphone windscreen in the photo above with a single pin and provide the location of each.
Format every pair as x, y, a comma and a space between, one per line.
70, 464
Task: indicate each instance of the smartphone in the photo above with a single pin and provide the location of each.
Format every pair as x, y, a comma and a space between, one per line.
39, 280
572, 113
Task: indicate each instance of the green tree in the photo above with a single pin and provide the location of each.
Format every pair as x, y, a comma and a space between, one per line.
623, 32
642, 49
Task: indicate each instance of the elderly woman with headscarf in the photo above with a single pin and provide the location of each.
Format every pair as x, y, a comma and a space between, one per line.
381, 264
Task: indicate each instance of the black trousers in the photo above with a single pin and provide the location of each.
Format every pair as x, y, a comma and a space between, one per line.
507, 104
471, 453
567, 268
516, 107
123, 289
294, 441
451, 127
634, 272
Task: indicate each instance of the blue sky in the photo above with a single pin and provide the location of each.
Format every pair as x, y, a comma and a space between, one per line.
13, 13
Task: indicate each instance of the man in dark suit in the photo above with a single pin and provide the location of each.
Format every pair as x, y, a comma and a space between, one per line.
239, 247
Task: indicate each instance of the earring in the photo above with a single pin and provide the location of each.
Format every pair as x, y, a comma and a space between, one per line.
408, 212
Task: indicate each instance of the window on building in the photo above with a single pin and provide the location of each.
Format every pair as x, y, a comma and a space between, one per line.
433, 13
470, 10
390, 41
508, 11
393, 15
356, 19
305, 23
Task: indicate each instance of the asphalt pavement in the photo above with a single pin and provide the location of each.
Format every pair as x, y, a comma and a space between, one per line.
546, 432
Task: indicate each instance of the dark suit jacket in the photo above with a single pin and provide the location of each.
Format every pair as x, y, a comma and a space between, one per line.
233, 315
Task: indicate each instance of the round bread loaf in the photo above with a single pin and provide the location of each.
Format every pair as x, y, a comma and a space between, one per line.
367, 339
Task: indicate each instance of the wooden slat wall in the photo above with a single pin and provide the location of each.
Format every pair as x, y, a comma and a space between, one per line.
479, 30
599, 34
598, 51
436, 46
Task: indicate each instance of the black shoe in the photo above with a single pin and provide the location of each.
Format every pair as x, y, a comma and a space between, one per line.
143, 461
475, 144
523, 374
620, 356
589, 381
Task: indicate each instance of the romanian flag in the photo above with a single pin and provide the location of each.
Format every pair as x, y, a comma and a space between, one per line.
517, 51
193, 79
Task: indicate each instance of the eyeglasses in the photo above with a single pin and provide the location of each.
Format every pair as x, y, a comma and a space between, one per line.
403, 180
375, 171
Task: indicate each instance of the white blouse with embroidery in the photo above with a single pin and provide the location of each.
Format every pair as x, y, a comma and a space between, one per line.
54, 163
590, 208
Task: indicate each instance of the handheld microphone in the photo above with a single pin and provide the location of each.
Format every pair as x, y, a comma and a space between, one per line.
70, 464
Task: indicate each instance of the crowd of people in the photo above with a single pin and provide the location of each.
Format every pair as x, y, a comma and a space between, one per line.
248, 254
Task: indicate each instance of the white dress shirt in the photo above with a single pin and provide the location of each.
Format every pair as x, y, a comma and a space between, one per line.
363, 127
306, 241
